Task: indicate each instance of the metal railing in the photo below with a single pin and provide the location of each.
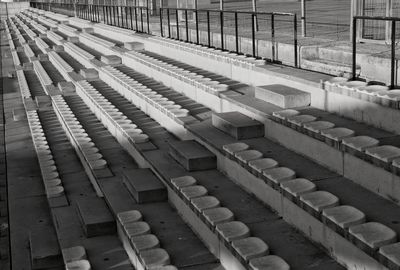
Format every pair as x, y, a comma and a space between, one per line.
393, 69
180, 24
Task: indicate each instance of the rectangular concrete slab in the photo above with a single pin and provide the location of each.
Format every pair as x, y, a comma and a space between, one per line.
238, 125
144, 186
95, 217
45, 250
192, 156
283, 96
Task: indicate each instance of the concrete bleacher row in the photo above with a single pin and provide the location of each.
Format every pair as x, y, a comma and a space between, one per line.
84, 147
142, 246
52, 183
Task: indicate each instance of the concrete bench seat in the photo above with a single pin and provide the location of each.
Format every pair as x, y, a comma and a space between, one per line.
238, 125
383, 155
259, 165
218, 215
360, 143
28, 51
319, 200
250, 248
231, 149
192, 192
283, 96
111, 59
77, 52
42, 74
144, 186
154, 257
68, 30
298, 186
390, 254
42, 45
75, 253
278, 175
244, 157
335, 135
137, 228
136, 46
284, 114
270, 262
372, 235
145, 242
231, 231
129, 216
62, 66
44, 248
183, 181
95, 217
370, 92
318, 126
299, 120
204, 203
78, 265
23, 84
192, 156
344, 216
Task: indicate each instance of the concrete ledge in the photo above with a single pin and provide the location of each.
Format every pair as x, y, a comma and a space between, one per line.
283, 96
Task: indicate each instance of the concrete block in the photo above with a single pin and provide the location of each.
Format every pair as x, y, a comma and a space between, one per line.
298, 186
248, 155
372, 235
283, 96
233, 230
385, 153
43, 57
58, 48
66, 88
235, 147
271, 262
218, 215
144, 186
74, 254
192, 192
319, 200
262, 164
238, 125
78, 265
88, 30
192, 156
95, 217
360, 143
44, 248
203, 203
250, 248
111, 59
136, 46
89, 73
18, 114
43, 102
73, 39
279, 175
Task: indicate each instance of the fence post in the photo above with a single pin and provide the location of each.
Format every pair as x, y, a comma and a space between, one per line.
148, 19
221, 14
187, 25
177, 24
197, 26
136, 20
236, 32
208, 29
169, 23
141, 19
273, 37
295, 40
253, 34
354, 55
393, 56
161, 23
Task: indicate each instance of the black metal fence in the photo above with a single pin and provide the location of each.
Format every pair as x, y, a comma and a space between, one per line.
255, 34
393, 21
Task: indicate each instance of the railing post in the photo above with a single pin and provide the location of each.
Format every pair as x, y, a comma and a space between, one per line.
169, 23
273, 37
197, 27
208, 29
136, 21
177, 24
354, 48
393, 56
221, 15
295, 40
126, 18
187, 25
253, 34
148, 19
236, 32
161, 23
141, 18
130, 12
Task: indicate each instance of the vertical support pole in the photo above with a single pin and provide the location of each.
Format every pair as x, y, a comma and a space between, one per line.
197, 26
208, 29
236, 32
141, 19
187, 25
161, 23
136, 20
130, 12
253, 33
169, 23
148, 19
273, 37
177, 24
393, 56
303, 19
295, 40
354, 49
221, 21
